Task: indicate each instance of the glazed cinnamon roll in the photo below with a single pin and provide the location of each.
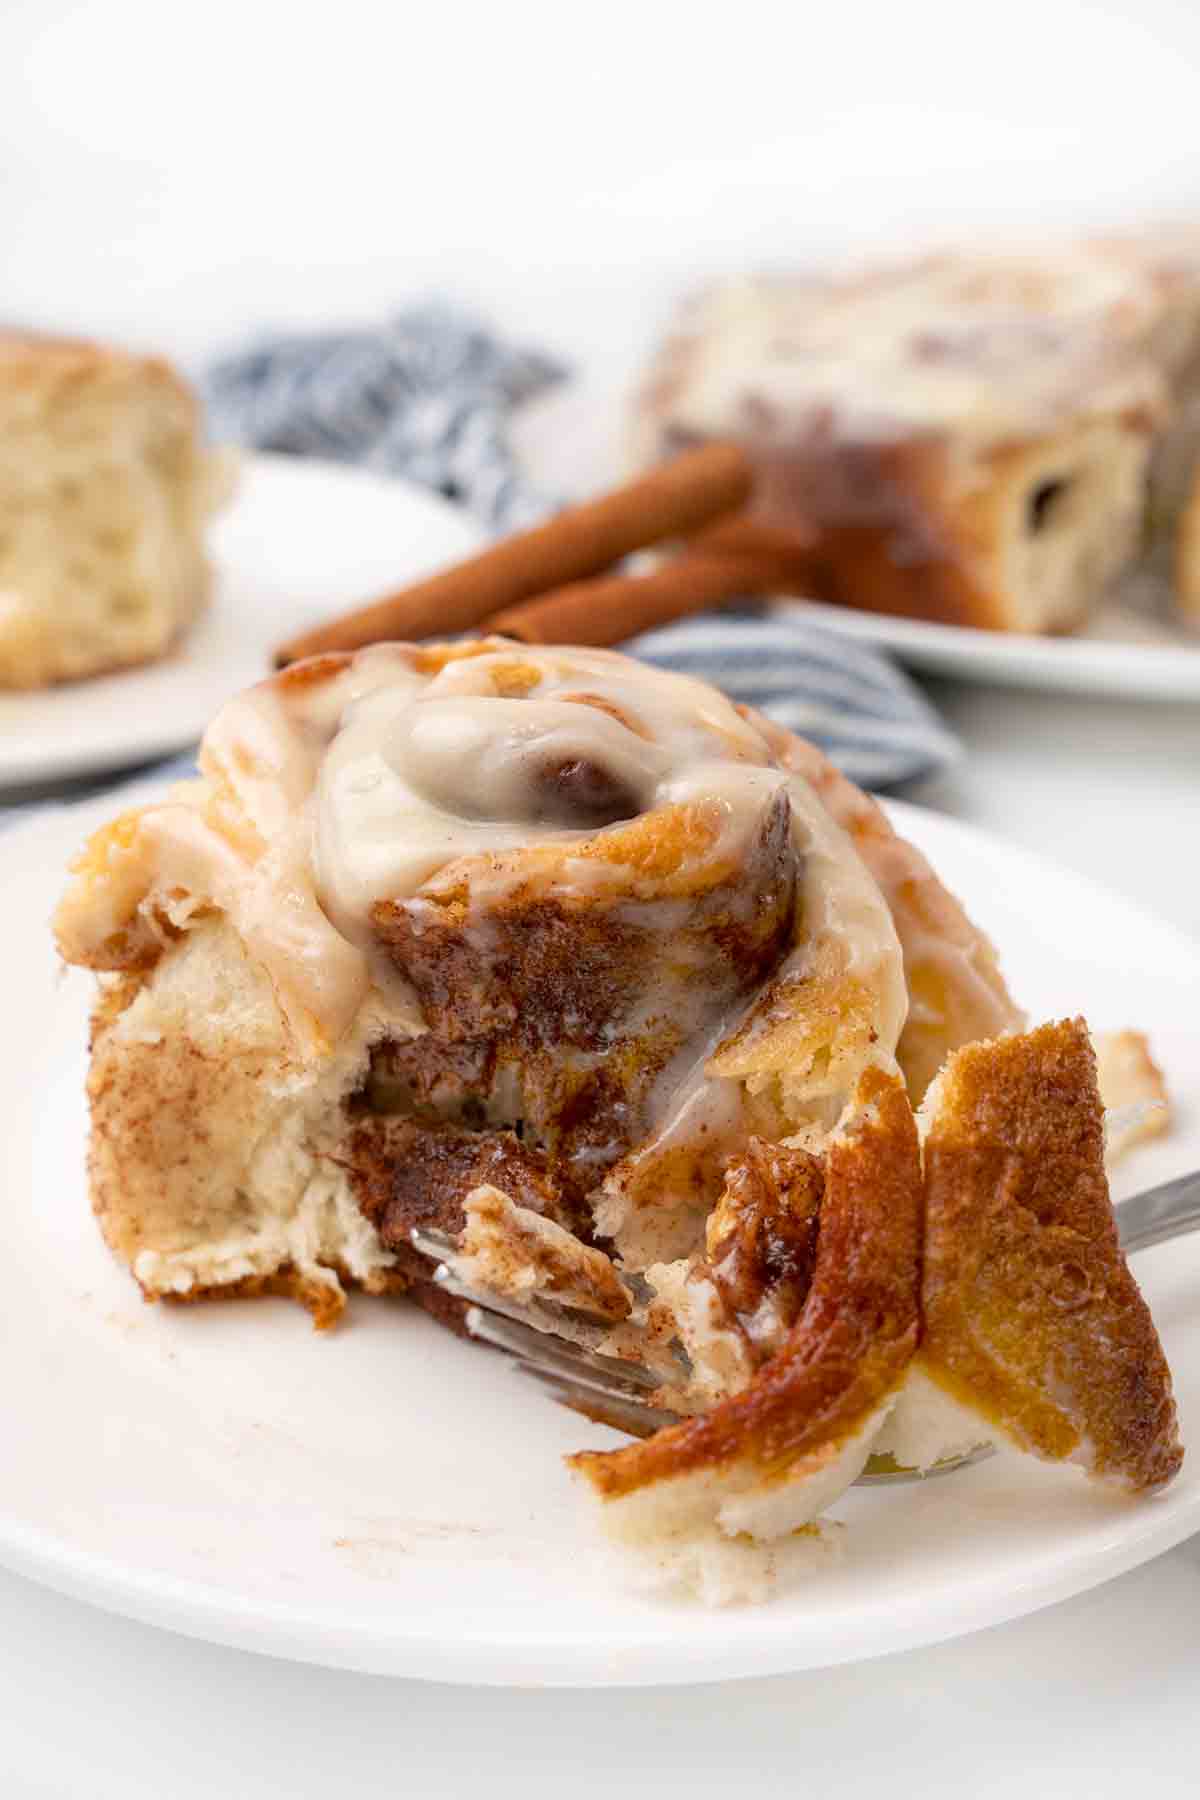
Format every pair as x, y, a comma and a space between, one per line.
618, 987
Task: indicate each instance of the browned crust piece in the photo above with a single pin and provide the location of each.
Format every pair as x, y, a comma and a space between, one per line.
853, 1341
1031, 1316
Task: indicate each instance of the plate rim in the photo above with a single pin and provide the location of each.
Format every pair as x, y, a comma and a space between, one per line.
204, 1611
1101, 668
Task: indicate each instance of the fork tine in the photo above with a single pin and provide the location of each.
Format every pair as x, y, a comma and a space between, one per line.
443, 1250
449, 1283
435, 1244
633, 1416
541, 1349
544, 1315
602, 1387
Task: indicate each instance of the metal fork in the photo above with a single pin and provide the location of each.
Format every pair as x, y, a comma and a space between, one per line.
616, 1392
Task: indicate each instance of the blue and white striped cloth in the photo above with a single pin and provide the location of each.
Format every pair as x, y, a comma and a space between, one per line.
862, 711
429, 396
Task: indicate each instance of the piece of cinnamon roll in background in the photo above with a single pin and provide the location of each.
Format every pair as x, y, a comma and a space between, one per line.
106, 489
617, 985
985, 438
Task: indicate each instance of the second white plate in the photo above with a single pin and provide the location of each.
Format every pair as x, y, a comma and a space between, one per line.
1134, 670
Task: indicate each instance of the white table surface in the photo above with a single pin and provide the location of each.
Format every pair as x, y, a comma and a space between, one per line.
1086, 1699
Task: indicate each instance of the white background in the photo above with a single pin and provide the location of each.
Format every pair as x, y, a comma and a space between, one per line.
178, 175
175, 174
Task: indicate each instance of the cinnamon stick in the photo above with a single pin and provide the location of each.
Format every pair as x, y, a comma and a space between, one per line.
672, 501
610, 609
738, 557
740, 534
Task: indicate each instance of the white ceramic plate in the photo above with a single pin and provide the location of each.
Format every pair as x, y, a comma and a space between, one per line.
300, 540
388, 1498
1086, 665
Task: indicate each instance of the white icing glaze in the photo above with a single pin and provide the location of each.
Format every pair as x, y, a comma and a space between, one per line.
328, 794
405, 788
410, 784
979, 345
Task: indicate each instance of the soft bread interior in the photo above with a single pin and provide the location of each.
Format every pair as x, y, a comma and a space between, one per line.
104, 495
196, 1073
1068, 518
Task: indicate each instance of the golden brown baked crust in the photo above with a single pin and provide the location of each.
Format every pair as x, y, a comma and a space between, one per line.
1030, 1314
853, 1341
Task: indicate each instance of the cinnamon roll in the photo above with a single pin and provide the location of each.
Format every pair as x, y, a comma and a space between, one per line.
983, 439
106, 490
616, 985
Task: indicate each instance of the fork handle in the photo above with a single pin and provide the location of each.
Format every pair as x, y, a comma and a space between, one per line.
1160, 1213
